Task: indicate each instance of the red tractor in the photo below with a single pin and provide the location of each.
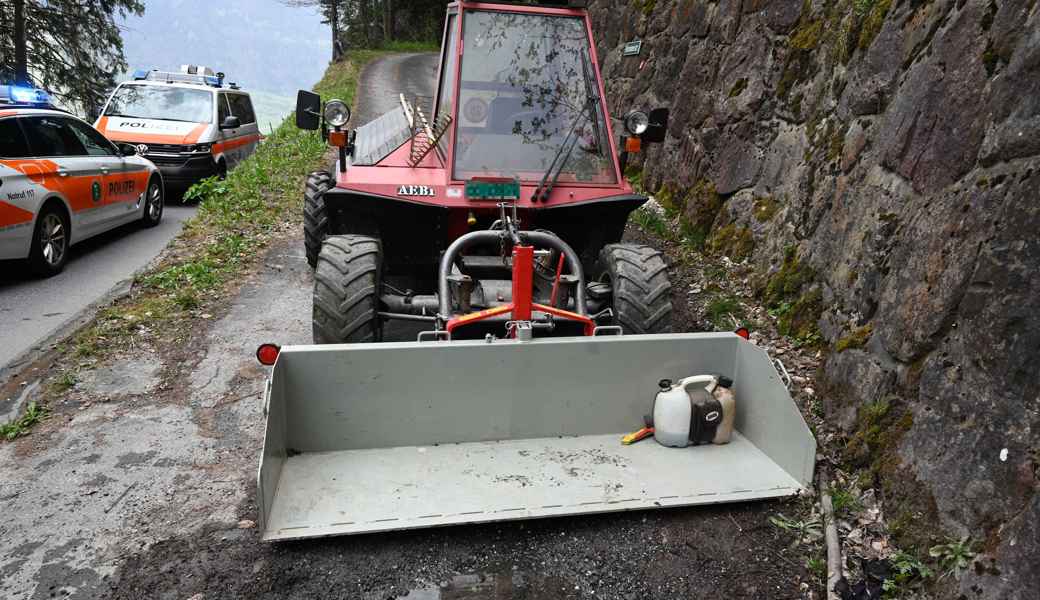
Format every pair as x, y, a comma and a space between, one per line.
499, 209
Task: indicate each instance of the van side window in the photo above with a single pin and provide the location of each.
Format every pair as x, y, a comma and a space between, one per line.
49, 136
222, 108
12, 141
242, 108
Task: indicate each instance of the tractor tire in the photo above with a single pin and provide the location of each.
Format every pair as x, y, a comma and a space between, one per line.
346, 291
641, 293
315, 219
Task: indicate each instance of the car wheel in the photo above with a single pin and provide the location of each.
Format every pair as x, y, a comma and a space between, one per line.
50, 242
153, 204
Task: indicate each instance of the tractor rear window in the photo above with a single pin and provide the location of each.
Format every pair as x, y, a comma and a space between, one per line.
161, 102
528, 95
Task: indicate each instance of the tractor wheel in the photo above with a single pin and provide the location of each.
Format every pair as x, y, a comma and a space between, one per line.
346, 290
641, 293
315, 219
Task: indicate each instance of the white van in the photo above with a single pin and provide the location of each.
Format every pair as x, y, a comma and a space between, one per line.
190, 124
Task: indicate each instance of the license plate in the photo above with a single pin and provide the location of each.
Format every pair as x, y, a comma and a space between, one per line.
493, 189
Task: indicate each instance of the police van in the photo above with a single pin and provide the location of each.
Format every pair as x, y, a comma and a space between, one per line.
62, 182
189, 123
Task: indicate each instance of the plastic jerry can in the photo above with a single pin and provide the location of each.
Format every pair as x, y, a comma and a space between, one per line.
696, 410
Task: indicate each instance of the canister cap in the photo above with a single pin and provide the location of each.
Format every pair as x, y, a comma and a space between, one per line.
725, 382
664, 384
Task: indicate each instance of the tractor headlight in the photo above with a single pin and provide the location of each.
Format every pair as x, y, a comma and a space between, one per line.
337, 113
636, 122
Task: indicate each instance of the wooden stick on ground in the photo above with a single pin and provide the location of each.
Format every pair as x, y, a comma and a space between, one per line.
830, 536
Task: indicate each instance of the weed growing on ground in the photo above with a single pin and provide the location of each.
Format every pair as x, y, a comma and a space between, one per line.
909, 573
34, 413
725, 312
954, 556
844, 500
651, 221
805, 531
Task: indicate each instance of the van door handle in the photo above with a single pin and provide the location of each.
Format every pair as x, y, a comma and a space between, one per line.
63, 173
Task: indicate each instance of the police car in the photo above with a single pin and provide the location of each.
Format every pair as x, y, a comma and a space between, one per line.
62, 182
188, 123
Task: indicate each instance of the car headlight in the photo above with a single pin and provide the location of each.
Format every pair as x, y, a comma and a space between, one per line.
636, 122
200, 148
337, 113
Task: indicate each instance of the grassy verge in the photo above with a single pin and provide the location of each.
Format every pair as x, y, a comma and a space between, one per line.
236, 219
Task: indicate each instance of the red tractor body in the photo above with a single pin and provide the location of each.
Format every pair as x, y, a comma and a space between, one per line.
518, 118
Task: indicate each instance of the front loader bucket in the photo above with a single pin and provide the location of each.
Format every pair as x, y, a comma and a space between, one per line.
375, 437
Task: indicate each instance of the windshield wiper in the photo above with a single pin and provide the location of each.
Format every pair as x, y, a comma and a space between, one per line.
545, 186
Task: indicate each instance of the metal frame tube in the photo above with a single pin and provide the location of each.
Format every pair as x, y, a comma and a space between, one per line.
536, 238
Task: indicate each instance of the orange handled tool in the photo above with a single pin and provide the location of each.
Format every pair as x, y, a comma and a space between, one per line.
642, 434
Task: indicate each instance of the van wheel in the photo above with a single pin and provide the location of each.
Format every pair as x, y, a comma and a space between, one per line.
315, 219
221, 170
154, 202
641, 295
50, 242
346, 290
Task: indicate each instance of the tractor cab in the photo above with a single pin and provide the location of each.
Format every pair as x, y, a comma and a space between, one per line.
518, 114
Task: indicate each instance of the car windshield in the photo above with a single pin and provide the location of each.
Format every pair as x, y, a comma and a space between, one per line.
526, 86
161, 102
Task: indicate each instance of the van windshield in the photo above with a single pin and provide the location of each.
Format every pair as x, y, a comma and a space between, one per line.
528, 95
161, 102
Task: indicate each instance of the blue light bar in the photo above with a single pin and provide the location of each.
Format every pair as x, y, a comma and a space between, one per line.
20, 94
140, 75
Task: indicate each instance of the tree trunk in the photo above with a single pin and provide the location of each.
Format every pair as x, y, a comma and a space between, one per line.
21, 61
388, 20
337, 47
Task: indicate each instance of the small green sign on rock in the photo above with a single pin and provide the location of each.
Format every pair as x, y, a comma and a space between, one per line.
633, 48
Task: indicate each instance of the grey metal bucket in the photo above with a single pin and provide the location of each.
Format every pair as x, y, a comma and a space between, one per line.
374, 437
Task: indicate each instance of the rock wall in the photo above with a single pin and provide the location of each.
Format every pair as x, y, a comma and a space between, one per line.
878, 161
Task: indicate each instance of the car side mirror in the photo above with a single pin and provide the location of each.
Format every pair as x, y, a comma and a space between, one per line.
231, 122
127, 149
308, 110
658, 127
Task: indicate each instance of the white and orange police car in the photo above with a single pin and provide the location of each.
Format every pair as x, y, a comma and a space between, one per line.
62, 182
189, 123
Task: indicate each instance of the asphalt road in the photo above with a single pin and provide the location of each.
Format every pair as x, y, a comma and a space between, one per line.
33, 309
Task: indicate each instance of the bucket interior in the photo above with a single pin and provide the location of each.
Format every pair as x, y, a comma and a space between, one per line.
377, 437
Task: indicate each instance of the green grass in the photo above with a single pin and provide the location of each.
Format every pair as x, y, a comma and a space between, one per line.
722, 310
844, 501
651, 221
404, 46
34, 413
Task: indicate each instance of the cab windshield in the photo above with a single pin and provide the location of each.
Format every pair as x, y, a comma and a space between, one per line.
528, 96
161, 102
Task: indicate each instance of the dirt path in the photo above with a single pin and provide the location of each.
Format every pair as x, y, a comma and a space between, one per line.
141, 486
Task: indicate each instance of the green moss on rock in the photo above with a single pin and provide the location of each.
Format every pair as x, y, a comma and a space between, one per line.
735, 242
857, 338
873, 19
800, 321
807, 35
765, 208
700, 208
738, 87
786, 283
